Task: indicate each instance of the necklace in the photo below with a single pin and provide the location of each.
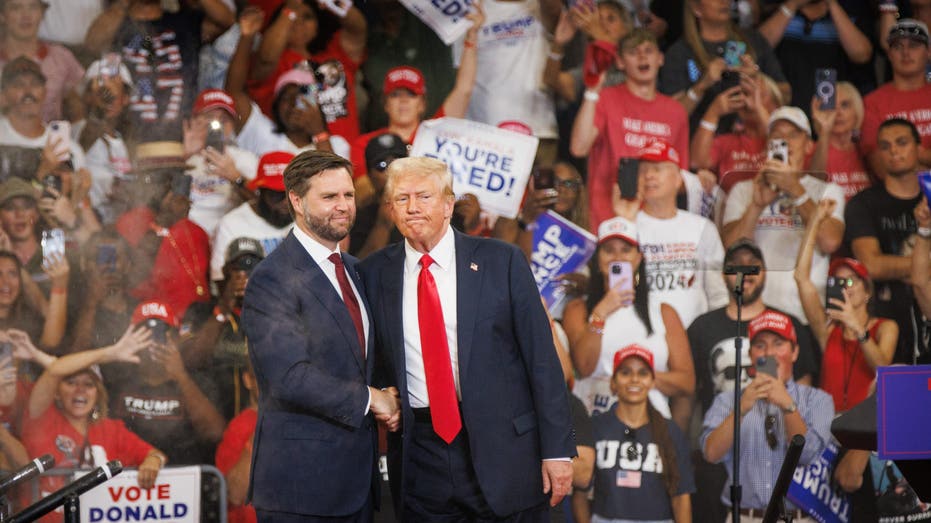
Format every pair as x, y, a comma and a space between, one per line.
199, 288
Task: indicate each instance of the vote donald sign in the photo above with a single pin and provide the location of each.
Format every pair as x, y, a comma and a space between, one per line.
445, 17
175, 498
491, 163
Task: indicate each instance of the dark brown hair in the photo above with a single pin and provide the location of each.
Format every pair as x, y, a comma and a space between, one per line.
308, 164
659, 428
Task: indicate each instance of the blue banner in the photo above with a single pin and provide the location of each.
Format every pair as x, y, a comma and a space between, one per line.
902, 394
559, 247
814, 491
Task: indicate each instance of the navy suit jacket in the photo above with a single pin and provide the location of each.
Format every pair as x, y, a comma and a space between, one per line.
314, 449
515, 406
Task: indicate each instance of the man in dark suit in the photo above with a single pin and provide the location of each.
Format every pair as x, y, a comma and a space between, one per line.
309, 341
486, 427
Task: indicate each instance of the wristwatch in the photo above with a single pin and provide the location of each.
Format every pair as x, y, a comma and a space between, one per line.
790, 409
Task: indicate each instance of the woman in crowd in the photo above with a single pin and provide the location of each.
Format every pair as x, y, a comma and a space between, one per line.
610, 317
836, 151
642, 469
68, 415
694, 65
17, 312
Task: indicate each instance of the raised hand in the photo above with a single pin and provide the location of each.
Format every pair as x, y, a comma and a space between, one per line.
135, 339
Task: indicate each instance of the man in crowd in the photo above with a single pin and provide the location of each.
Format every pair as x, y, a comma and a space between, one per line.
374, 228
880, 231
774, 207
310, 342
474, 332
773, 408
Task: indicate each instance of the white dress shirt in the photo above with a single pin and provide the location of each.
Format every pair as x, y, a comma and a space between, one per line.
444, 272
321, 255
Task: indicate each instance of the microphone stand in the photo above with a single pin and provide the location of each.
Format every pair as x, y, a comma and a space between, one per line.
776, 508
736, 491
68, 495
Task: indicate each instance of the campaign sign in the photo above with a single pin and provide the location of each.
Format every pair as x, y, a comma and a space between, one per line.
559, 247
445, 17
813, 490
491, 163
903, 400
175, 498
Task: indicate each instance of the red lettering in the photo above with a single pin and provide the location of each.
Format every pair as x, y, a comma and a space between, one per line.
133, 493
163, 491
115, 492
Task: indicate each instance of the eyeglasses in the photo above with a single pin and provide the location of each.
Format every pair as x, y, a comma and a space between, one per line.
771, 437
633, 451
571, 185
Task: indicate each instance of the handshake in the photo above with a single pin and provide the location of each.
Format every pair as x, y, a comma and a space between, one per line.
386, 406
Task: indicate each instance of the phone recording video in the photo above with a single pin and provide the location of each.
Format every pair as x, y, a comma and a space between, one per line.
826, 87
159, 330
544, 179
778, 150
628, 176
767, 365
835, 289
215, 138
620, 276
729, 79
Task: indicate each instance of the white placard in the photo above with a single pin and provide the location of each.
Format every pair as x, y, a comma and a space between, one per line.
175, 498
445, 17
491, 163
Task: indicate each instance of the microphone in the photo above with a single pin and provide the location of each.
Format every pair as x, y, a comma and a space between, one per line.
75, 488
742, 269
33, 469
776, 505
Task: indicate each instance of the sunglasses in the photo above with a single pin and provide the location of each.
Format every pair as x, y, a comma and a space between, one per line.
844, 282
572, 185
772, 439
909, 31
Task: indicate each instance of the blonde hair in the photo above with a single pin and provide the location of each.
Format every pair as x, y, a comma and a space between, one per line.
692, 35
855, 98
421, 167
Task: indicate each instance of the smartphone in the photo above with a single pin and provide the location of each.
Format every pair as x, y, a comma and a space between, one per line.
767, 365
61, 130
620, 273
106, 258
544, 179
778, 150
159, 330
924, 179
628, 176
215, 136
53, 242
733, 50
834, 289
826, 87
6, 351
729, 79
51, 186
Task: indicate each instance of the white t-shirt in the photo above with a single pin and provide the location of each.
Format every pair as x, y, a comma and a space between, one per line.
67, 21
212, 196
683, 256
9, 136
243, 222
106, 159
623, 327
512, 50
258, 136
779, 233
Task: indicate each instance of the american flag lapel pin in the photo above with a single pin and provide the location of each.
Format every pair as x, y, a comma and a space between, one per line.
473, 266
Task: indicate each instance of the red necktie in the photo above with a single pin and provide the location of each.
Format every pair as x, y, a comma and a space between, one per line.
349, 298
441, 390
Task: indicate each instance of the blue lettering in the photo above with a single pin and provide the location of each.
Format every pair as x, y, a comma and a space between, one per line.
495, 181
133, 513
162, 512
149, 513
114, 514
96, 514
506, 164
180, 510
440, 142
475, 153
476, 176
491, 160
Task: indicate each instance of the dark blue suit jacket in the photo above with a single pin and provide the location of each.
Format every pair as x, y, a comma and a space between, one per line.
314, 450
514, 403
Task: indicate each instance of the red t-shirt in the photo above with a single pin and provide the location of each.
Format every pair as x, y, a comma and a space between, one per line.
843, 366
236, 437
887, 102
337, 96
358, 147
13, 416
106, 440
733, 156
845, 168
134, 224
625, 124
177, 267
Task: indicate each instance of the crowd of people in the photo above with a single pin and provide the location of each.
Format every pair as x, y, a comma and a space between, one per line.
143, 146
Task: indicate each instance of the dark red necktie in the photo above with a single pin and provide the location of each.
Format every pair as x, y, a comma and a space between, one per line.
441, 390
349, 298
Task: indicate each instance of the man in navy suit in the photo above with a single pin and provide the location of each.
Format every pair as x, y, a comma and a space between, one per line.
461, 330
308, 326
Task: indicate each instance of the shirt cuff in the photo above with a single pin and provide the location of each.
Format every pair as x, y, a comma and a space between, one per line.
557, 459
368, 404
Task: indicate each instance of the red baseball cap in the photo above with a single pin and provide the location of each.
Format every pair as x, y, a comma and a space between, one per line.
214, 99
852, 264
633, 351
618, 227
270, 173
659, 151
405, 77
772, 321
155, 310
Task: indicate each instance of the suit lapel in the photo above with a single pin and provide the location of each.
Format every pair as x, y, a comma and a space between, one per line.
392, 278
326, 294
469, 275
